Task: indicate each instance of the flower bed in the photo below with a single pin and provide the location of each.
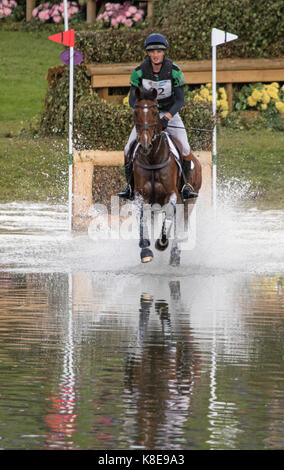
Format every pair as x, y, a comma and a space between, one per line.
117, 14
6, 8
48, 12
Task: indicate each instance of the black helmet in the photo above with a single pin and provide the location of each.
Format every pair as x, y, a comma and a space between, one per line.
155, 41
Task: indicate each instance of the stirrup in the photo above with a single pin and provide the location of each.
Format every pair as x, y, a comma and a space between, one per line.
126, 193
188, 192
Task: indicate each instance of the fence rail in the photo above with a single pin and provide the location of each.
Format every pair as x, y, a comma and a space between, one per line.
229, 71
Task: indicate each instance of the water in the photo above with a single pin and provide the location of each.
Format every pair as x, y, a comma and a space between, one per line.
98, 351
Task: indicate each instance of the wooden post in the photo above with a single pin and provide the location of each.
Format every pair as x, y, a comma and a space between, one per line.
150, 11
229, 90
91, 11
103, 93
86, 160
82, 193
30, 5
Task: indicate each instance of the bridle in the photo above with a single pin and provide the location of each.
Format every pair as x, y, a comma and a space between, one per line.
146, 126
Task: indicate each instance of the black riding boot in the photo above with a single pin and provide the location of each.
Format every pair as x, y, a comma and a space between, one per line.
127, 193
187, 191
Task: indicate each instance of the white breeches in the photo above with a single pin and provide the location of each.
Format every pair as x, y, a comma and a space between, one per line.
178, 132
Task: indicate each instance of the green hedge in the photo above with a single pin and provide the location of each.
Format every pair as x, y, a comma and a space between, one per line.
187, 24
99, 125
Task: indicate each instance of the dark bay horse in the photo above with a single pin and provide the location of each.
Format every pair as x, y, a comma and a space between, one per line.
157, 176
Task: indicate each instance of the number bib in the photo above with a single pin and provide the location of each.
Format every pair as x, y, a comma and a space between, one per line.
163, 87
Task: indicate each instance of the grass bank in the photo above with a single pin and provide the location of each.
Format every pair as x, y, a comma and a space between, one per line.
24, 61
255, 160
36, 169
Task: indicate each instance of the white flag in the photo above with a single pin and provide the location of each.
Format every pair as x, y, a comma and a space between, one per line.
221, 37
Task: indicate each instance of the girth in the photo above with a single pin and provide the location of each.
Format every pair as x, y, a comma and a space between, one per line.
157, 166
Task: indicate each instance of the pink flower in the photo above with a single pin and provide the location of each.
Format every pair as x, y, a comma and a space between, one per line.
132, 10
34, 12
120, 18
74, 10
56, 18
137, 17
44, 16
128, 23
7, 11
114, 21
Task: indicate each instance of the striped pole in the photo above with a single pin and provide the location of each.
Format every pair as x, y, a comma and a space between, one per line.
70, 142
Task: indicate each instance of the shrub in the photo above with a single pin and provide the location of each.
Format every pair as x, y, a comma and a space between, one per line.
7, 8
204, 94
267, 98
48, 12
117, 14
258, 24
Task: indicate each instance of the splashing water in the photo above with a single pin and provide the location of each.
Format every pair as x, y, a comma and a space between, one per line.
237, 238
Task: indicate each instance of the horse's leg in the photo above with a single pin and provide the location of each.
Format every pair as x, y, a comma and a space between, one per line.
175, 249
163, 242
144, 243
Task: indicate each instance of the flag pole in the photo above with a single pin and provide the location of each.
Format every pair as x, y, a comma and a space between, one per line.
70, 142
214, 136
218, 37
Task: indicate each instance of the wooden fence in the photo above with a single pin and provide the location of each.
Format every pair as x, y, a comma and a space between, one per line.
229, 71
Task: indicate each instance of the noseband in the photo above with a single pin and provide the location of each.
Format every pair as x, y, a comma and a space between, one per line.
144, 126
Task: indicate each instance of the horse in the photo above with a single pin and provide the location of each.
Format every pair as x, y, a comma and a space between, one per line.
157, 175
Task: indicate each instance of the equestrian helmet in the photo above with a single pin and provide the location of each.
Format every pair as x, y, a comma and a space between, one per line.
155, 41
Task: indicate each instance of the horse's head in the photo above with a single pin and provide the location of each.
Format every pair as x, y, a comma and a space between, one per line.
146, 118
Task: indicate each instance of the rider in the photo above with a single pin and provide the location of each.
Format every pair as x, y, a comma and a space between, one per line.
157, 71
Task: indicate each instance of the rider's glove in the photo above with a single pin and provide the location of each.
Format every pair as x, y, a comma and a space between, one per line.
165, 122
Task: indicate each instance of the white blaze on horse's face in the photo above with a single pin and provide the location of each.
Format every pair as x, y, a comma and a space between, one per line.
146, 123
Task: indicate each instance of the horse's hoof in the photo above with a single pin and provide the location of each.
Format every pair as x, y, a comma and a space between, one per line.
146, 255
159, 245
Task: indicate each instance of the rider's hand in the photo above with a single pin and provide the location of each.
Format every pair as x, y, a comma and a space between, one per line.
165, 122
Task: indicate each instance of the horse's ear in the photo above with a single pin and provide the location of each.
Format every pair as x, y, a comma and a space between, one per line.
154, 93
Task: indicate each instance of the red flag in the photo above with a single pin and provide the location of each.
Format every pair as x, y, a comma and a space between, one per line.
67, 38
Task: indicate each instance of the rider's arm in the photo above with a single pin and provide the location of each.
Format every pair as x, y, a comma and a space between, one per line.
132, 97
179, 100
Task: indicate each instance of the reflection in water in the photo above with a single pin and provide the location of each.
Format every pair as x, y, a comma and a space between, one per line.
162, 361
61, 419
101, 361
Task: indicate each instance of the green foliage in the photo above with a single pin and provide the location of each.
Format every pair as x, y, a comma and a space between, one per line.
187, 25
258, 24
111, 46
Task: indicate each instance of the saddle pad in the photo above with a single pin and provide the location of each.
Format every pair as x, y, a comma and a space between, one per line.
174, 151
